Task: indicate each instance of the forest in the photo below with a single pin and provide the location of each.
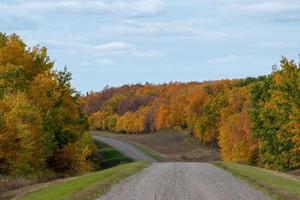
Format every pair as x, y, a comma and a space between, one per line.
42, 128
45, 122
253, 120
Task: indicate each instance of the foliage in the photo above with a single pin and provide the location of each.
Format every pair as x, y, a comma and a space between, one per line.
276, 117
236, 141
252, 120
21, 149
41, 124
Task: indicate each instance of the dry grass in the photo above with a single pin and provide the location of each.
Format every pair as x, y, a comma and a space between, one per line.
295, 172
11, 186
10, 183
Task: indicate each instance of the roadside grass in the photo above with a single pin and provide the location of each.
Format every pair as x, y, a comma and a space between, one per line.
86, 187
277, 185
105, 156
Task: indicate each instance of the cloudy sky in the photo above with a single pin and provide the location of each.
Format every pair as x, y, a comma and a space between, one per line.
114, 42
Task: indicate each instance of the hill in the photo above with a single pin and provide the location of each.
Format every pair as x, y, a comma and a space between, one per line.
253, 120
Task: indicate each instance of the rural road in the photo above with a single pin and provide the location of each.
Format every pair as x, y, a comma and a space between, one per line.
125, 148
177, 181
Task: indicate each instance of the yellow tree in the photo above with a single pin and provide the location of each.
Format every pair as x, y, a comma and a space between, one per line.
21, 138
236, 141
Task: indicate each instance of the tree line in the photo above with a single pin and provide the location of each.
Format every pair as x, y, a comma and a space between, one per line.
253, 121
42, 127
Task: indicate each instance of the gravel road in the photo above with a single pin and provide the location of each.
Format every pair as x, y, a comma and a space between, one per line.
177, 180
127, 149
183, 181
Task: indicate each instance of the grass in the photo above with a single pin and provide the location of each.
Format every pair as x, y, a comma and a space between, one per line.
150, 152
85, 187
277, 185
105, 156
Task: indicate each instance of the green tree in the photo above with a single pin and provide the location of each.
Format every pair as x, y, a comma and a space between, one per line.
276, 117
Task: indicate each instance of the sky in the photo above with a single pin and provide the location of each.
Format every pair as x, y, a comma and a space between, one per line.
116, 42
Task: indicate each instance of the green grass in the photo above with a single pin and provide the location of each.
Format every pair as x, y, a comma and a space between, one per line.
277, 185
150, 152
106, 157
85, 187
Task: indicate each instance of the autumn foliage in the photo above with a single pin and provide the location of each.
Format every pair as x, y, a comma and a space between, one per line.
41, 124
252, 120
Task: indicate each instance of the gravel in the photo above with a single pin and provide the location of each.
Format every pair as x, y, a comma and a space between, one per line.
183, 181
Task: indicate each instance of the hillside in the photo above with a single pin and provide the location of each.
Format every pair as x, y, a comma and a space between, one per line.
253, 121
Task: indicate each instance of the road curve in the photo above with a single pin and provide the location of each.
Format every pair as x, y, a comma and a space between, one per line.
183, 181
124, 147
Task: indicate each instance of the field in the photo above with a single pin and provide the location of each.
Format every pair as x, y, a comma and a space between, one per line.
170, 146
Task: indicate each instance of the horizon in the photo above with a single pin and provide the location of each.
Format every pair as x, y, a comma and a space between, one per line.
157, 41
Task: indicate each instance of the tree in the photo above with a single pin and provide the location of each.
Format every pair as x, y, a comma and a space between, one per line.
236, 141
41, 122
275, 116
21, 139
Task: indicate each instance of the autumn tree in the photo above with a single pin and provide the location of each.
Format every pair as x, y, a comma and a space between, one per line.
252, 120
275, 116
236, 141
21, 138
42, 125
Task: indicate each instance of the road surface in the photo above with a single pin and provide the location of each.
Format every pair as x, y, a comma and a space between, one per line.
177, 181
125, 148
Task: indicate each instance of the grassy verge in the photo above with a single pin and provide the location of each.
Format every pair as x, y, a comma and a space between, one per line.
106, 157
85, 187
150, 152
276, 185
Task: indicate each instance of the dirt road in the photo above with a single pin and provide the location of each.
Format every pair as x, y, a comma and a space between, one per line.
177, 180
183, 181
174, 146
127, 149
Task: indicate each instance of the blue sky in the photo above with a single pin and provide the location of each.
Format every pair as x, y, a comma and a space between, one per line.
114, 42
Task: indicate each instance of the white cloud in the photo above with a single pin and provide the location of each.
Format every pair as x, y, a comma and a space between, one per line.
110, 48
188, 28
149, 6
270, 10
60, 44
114, 46
97, 62
150, 54
119, 7
265, 6
275, 44
227, 59
122, 48
104, 62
